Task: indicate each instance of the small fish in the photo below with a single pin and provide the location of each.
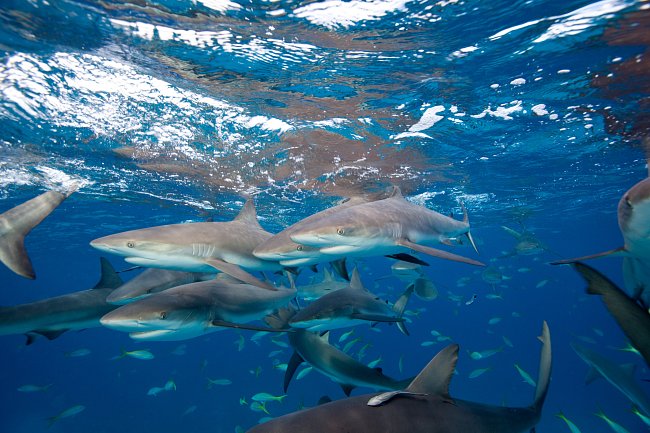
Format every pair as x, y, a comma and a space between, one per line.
279, 342
190, 410
541, 284
427, 343
304, 372
275, 353
71, 411
523, 270
631, 349
258, 336
240, 343
350, 343
220, 382
400, 363
373, 364
345, 336
598, 332
485, 353
257, 406
34, 388
435, 333
527, 378
282, 367
263, 397
574, 428
471, 300
179, 350
362, 352
612, 424
478, 372
494, 320
77, 353
242, 401
493, 296
154, 391
257, 371
644, 418
507, 341
137, 354
170, 385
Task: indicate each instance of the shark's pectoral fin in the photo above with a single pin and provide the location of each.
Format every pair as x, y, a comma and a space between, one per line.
437, 253
292, 366
407, 258
614, 252
376, 317
239, 273
14, 255
227, 324
50, 335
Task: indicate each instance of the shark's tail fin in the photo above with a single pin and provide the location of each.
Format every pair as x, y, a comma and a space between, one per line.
400, 305
545, 363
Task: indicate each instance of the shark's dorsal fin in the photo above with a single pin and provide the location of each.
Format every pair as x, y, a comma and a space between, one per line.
109, 279
248, 214
355, 280
435, 377
325, 337
327, 277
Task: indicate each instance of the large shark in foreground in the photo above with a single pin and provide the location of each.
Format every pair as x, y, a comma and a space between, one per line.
384, 227
634, 221
630, 316
197, 247
425, 406
17, 222
195, 309
52, 317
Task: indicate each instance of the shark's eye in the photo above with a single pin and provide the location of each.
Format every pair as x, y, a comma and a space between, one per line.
299, 248
163, 315
130, 244
628, 202
340, 231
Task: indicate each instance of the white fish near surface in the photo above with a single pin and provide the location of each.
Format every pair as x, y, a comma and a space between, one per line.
197, 247
384, 227
16, 223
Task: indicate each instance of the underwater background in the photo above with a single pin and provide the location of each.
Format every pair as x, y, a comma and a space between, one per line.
530, 113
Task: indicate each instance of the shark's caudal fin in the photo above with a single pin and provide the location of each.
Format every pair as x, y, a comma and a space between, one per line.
615, 252
545, 365
400, 305
17, 222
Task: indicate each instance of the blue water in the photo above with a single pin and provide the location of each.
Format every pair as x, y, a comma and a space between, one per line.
529, 112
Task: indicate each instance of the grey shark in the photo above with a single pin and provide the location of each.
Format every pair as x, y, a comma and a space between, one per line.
17, 222
197, 247
620, 377
384, 227
634, 222
349, 306
425, 406
327, 285
328, 360
630, 316
54, 316
153, 280
195, 309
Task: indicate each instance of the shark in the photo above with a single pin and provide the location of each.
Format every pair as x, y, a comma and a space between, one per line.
225, 246
633, 214
633, 319
621, 377
391, 226
315, 290
54, 316
153, 280
194, 309
328, 360
350, 306
424, 406
16, 223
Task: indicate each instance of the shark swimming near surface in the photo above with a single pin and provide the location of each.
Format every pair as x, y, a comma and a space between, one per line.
328, 360
384, 227
425, 406
54, 316
195, 309
634, 222
17, 222
197, 247
633, 319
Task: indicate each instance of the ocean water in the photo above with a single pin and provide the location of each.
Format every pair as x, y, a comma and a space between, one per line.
530, 113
